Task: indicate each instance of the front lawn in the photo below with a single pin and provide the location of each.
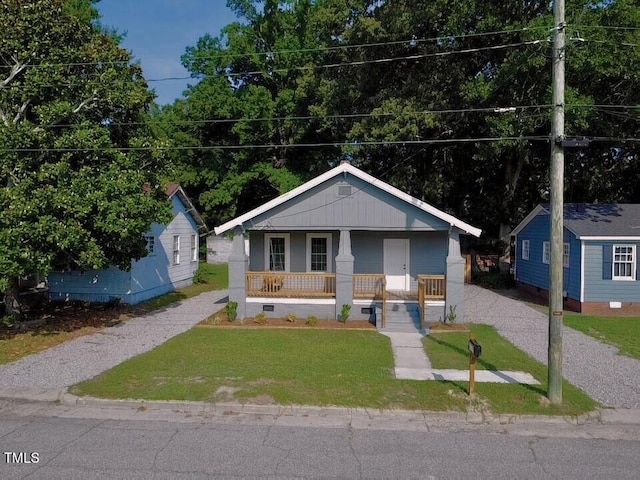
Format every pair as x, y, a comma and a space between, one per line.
621, 332
288, 366
449, 350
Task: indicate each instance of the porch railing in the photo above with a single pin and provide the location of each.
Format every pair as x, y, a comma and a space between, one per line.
430, 287
291, 285
372, 286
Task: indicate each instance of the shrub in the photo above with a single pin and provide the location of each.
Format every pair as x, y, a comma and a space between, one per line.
260, 319
232, 311
494, 279
312, 320
451, 316
344, 314
198, 277
291, 317
9, 321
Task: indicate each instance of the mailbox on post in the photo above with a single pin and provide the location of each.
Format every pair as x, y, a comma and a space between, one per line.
474, 347
475, 350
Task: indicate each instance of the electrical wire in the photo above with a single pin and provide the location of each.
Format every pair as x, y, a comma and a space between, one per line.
411, 41
274, 145
498, 110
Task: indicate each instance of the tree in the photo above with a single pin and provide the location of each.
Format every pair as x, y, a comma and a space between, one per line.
80, 173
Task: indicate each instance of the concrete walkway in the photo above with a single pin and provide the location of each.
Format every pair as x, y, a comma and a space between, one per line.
411, 363
86, 357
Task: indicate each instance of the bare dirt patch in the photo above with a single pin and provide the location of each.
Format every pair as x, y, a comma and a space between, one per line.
440, 327
220, 319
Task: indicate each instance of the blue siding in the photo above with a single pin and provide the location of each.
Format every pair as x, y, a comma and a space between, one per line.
534, 271
572, 275
596, 289
298, 250
90, 286
149, 277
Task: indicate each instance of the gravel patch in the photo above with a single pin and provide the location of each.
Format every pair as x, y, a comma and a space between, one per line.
611, 379
86, 357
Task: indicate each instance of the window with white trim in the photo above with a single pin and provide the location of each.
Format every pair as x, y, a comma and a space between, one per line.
546, 252
194, 248
277, 252
176, 249
624, 262
319, 252
151, 244
565, 255
525, 249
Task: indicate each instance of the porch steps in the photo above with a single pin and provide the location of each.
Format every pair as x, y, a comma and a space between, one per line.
402, 317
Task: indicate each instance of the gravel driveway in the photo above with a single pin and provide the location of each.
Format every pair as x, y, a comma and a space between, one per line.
609, 378
86, 357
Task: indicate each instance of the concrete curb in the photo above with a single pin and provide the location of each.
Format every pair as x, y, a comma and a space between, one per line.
330, 415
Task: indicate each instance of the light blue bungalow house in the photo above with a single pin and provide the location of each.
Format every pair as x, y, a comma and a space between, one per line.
171, 263
601, 241
347, 241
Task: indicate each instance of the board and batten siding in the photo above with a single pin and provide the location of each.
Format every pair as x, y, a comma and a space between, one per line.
599, 289
428, 252
347, 203
298, 250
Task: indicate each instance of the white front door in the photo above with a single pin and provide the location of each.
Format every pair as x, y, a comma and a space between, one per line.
396, 263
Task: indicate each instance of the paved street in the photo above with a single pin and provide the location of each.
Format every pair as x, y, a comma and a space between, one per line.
86, 443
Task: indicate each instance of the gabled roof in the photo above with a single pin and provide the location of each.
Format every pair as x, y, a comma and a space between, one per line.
595, 220
173, 189
356, 172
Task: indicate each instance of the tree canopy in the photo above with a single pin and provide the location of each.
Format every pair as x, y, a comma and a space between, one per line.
448, 100
80, 174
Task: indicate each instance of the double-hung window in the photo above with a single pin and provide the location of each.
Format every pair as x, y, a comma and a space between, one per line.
319, 252
151, 244
277, 252
546, 252
525, 249
624, 262
565, 255
176, 249
194, 248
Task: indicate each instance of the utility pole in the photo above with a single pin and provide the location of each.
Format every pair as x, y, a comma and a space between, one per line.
557, 208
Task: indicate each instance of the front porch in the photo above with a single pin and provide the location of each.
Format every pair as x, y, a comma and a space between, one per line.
321, 289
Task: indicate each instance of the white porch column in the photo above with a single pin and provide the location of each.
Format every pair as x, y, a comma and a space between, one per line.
344, 273
238, 266
455, 277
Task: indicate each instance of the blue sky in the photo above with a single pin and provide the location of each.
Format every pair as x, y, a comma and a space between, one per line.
158, 31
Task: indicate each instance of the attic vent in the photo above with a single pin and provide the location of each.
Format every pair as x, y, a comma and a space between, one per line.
344, 190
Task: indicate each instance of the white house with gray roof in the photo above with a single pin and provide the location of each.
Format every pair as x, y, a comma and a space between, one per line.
600, 256
347, 241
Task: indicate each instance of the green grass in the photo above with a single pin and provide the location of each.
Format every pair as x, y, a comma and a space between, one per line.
209, 276
307, 367
449, 350
621, 332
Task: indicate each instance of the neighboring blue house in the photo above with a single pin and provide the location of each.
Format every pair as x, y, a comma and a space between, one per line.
171, 263
601, 242
346, 238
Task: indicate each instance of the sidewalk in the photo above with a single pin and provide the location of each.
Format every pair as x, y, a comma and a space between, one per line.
412, 363
86, 357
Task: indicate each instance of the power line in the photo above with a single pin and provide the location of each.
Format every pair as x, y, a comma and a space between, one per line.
270, 146
304, 67
498, 110
411, 42
360, 62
